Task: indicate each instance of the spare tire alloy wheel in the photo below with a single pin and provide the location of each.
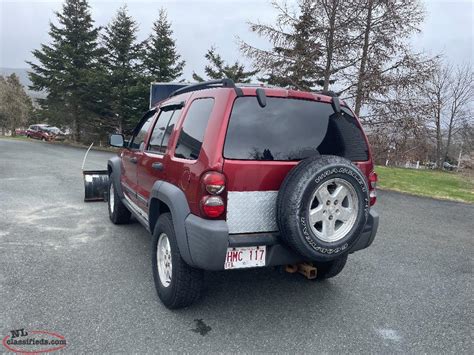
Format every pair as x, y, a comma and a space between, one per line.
333, 210
322, 207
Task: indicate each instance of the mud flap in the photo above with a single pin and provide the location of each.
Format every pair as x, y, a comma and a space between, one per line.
96, 183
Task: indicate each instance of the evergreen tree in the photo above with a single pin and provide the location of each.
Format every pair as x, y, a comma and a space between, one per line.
126, 97
161, 61
294, 60
68, 68
15, 105
300, 57
218, 69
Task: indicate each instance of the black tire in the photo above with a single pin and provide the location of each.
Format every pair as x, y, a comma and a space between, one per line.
43, 139
186, 282
297, 193
331, 268
118, 212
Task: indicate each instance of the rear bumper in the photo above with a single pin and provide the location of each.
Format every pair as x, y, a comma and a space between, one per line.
368, 233
208, 242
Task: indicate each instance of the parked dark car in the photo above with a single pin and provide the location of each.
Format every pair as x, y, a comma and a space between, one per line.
448, 166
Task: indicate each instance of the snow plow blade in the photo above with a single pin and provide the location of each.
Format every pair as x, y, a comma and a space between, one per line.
96, 184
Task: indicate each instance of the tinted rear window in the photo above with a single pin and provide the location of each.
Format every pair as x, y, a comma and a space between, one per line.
291, 129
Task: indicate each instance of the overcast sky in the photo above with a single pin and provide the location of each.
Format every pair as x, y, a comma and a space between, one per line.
199, 24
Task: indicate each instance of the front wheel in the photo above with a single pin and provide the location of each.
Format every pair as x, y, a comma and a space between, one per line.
118, 212
178, 285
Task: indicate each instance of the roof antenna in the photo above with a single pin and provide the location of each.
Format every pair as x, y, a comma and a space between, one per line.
261, 97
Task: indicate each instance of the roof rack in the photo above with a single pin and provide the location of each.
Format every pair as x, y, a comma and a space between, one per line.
225, 83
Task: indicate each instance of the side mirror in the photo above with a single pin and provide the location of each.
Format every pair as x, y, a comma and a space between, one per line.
116, 140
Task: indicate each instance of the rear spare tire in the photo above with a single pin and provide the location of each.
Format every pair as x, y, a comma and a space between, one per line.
322, 207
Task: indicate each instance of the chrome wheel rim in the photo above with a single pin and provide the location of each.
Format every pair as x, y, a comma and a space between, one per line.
333, 210
163, 260
111, 198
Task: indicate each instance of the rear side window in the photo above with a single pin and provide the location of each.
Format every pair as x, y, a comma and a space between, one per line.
195, 124
170, 127
159, 131
291, 129
163, 128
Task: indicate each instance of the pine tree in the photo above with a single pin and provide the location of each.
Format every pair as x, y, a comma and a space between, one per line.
125, 95
294, 60
302, 70
160, 59
219, 69
68, 68
15, 105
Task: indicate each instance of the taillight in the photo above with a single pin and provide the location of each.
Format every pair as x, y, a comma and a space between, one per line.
213, 184
212, 206
372, 187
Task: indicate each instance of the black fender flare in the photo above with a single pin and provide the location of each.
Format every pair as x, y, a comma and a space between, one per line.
114, 166
165, 193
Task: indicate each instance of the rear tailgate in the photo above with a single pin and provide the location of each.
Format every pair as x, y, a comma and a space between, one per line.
252, 191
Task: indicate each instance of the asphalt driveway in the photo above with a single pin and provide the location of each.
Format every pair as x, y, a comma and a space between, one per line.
64, 267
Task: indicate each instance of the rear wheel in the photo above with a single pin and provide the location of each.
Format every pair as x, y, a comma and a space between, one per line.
118, 213
331, 268
178, 285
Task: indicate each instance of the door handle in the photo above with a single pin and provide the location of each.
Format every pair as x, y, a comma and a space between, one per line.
133, 160
157, 166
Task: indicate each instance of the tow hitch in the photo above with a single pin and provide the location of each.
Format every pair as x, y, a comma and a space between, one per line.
96, 182
306, 269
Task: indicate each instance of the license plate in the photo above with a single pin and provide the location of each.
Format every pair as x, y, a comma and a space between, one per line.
243, 257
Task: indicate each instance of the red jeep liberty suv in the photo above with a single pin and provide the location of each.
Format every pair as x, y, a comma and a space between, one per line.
230, 176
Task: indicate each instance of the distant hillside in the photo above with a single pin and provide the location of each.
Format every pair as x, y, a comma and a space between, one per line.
22, 73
